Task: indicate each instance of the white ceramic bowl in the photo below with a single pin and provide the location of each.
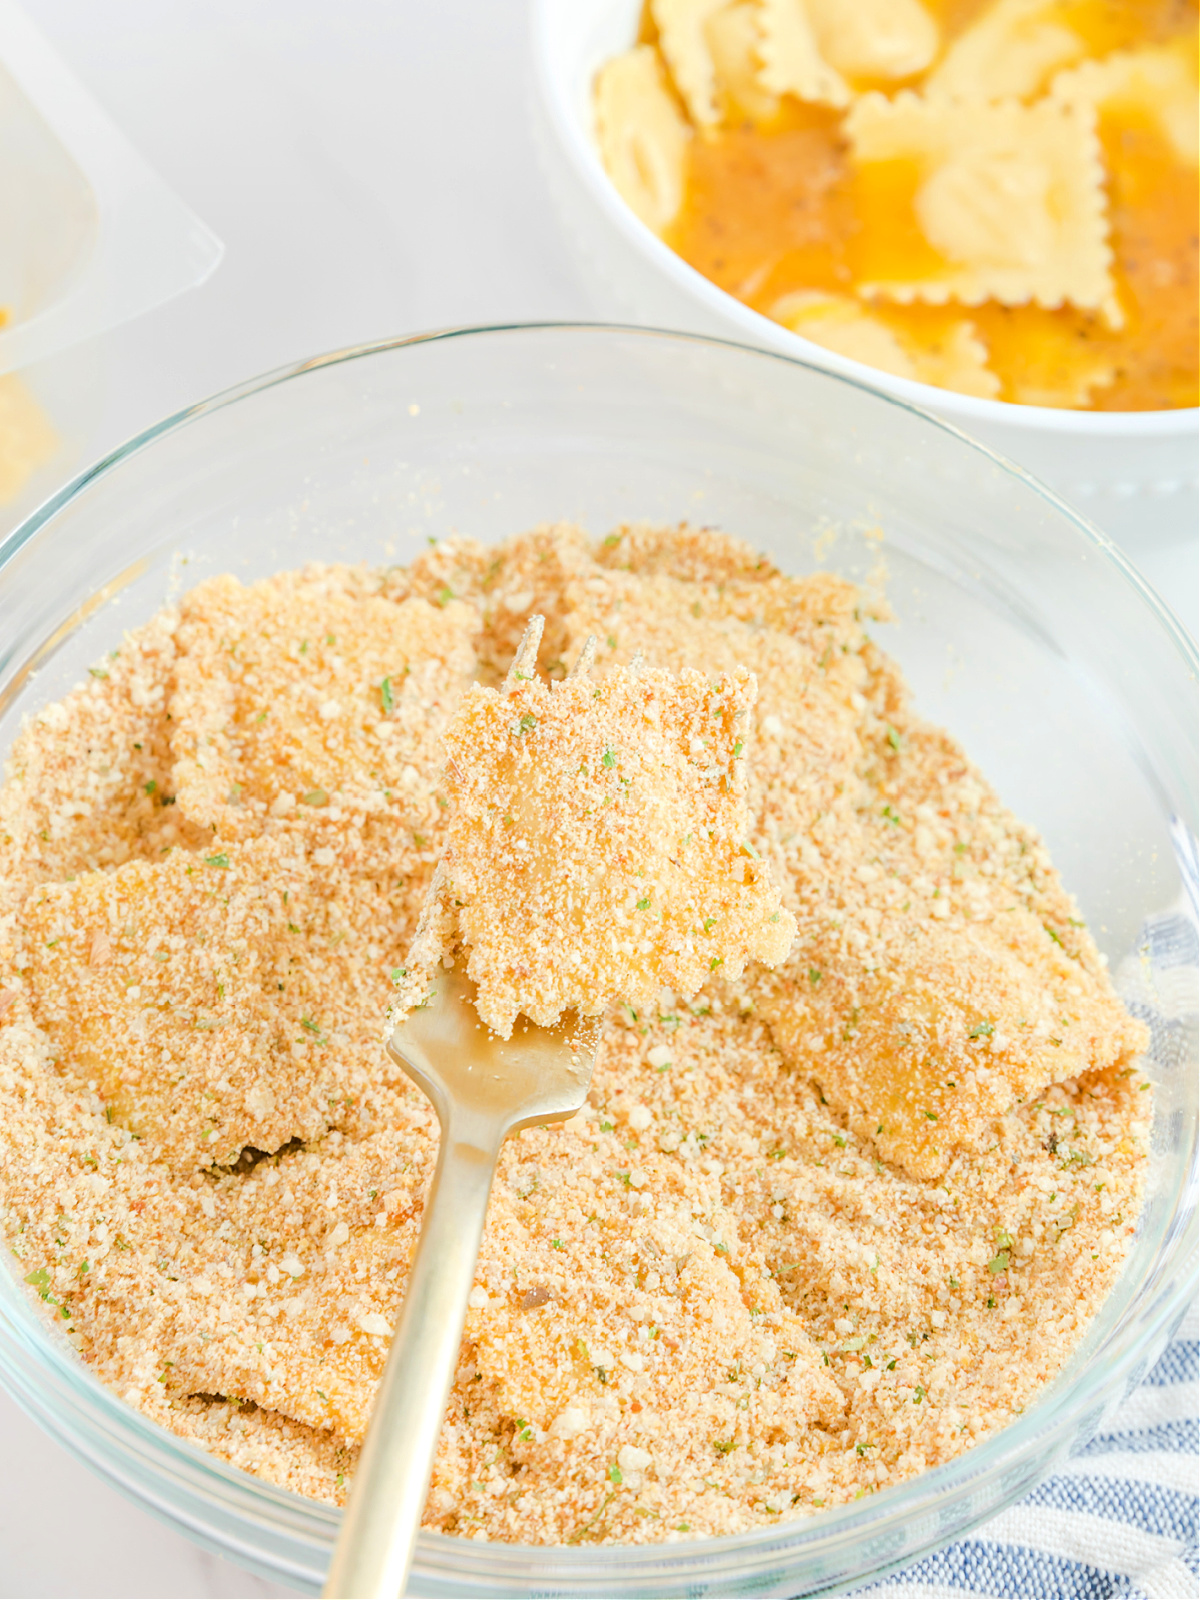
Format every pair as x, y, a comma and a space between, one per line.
1135, 473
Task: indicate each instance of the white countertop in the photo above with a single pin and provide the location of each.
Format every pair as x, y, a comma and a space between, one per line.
370, 168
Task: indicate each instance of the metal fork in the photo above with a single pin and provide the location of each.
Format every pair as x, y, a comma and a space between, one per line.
483, 1088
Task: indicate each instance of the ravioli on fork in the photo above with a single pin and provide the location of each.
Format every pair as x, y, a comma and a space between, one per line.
597, 845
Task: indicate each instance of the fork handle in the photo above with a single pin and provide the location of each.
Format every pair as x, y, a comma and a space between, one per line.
387, 1498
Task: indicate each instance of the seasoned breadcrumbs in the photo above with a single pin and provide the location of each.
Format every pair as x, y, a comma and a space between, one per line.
816, 1229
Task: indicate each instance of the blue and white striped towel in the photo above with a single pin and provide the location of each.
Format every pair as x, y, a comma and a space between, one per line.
1118, 1522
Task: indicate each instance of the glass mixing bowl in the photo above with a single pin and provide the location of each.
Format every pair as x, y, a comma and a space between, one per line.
1019, 627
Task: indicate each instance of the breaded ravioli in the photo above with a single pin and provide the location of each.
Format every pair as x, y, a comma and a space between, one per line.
598, 844
218, 1000
292, 695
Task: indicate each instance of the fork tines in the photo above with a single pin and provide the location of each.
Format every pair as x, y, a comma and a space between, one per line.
524, 663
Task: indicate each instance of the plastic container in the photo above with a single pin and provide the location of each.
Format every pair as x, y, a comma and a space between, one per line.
1133, 472
92, 235
1019, 627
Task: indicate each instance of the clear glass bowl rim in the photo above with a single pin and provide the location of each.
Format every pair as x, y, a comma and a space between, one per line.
1047, 1429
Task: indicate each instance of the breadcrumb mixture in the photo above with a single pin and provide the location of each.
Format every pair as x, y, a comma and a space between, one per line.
815, 1231
598, 844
